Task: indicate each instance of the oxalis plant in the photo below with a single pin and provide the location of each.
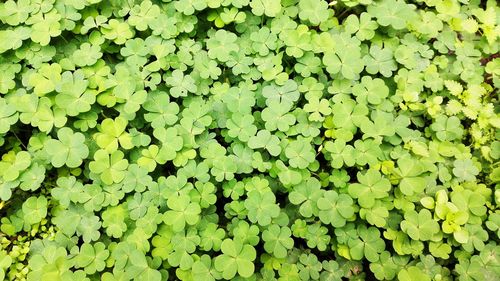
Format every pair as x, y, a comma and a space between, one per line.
203, 140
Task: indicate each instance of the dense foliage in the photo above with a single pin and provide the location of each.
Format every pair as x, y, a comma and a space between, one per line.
249, 140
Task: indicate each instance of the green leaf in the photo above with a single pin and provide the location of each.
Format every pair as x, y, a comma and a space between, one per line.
264, 139
13, 164
314, 11
306, 194
92, 257
277, 240
465, 170
86, 55
69, 149
181, 212
393, 13
286, 94
411, 170
113, 220
413, 273
117, 30
420, 226
261, 207
241, 126
236, 258
363, 27
46, 80
372, 185
112, 133
220, 44
277, 117
270, 8
73, 95
8, 116
369, 244
35, 209
180, 84
447, 128
300, 153
110, 167
345, 60
380, 61
334, 209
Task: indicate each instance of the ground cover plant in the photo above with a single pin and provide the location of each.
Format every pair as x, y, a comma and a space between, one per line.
249, 140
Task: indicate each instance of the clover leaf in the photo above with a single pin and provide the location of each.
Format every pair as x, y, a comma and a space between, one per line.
221, 44
161, 111
374, 91
465, 169
112, 133
300, 153
369, 244
306, 194
420, 226
297, 41
264, 139
86, 55
113, 220
46, 79
318, 109
380, 61
363, 26
239, 101
8, 116
14, 13
69, 149
309, 267
269, 8
182, 211
44, 261
110, 167
277, 240
224, 169
412, 181
447, 128
286, 94
315, 11
372, 185
241, 126
261, 207
92, 257
236, 258
204, 269
346, 61
45, 27
180, 84
334, 209
35, 209
118, 31
73, 96
276, 116
412, 273
263, 40
395, 13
